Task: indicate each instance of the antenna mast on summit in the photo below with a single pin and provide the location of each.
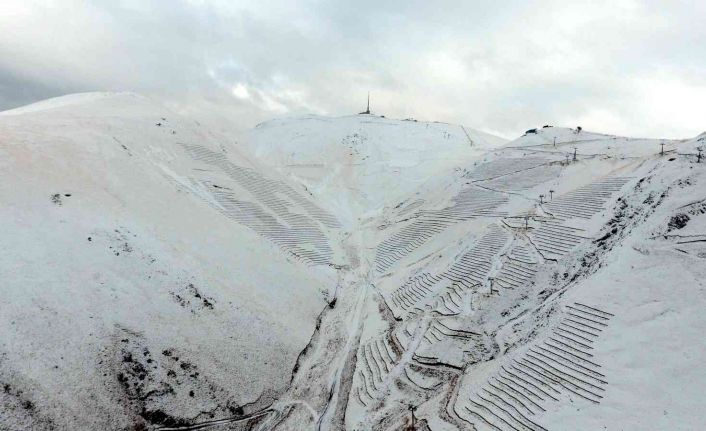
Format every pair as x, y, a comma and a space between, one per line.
367, 110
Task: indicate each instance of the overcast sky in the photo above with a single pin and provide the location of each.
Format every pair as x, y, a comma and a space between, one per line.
618, 66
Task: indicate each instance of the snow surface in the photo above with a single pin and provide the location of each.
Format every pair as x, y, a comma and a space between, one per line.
155, 277
357, 164
133, 262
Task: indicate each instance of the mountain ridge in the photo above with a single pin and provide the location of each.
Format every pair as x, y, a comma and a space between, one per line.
163, 277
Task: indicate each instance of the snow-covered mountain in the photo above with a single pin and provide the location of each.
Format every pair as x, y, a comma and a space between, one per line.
357, 164
331, 273
146, 270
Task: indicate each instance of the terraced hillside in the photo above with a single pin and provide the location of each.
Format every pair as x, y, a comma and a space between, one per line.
507, 296
157, 276
149, 275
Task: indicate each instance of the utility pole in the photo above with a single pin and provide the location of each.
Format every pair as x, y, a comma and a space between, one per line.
412, 409
662, 151
526, 222
551, 195
541, 199
574, 154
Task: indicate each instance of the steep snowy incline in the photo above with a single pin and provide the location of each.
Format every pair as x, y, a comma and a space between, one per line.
356, 165
148, 275
542, 288
530, 290
354, 273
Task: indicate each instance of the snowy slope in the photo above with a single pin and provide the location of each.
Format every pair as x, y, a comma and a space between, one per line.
357, 164
130, 288
486, 301
530, 289
343, 271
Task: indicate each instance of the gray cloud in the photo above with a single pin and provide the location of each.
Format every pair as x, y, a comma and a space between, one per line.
626, 66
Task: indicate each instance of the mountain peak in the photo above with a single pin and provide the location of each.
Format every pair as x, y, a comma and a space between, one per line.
360, 163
